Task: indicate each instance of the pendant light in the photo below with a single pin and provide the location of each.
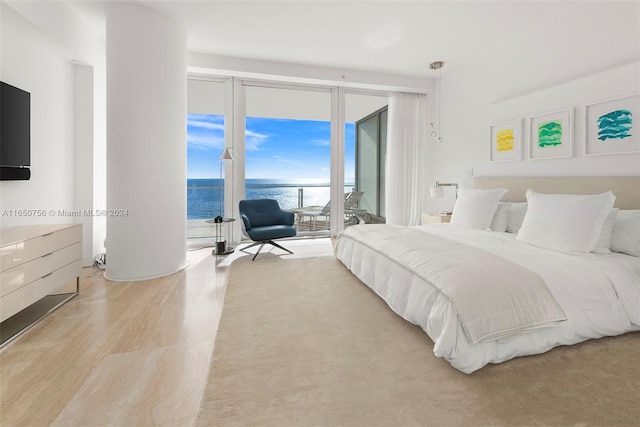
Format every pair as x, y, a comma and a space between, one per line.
436, 94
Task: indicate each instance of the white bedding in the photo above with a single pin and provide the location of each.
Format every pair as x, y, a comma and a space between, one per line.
600, 295
489, 303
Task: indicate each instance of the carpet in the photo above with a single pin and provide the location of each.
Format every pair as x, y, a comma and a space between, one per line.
302, 342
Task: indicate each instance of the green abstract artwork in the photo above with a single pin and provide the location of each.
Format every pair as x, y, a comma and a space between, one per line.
550, 134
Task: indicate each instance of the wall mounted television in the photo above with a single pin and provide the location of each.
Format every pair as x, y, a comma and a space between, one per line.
15, 133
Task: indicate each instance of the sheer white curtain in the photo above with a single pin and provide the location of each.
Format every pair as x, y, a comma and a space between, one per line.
406, 138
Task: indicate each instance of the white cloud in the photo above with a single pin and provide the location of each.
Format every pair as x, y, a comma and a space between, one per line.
205, 141
205, 125
287, 161
321, 142
205, 131
253, 140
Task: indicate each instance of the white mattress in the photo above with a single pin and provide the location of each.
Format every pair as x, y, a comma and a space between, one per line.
600, 295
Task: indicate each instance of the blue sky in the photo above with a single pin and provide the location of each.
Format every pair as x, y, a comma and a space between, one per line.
283, 149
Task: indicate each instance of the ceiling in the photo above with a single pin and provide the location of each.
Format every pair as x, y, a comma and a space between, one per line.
404, 37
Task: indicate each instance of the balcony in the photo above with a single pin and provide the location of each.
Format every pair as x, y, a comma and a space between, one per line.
203, 203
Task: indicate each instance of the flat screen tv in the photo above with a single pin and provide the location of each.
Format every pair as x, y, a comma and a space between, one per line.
15, 133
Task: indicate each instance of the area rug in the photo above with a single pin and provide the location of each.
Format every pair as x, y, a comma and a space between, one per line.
302, 342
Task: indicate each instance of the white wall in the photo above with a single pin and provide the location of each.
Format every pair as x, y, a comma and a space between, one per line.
49, 51
31, 61
470, 108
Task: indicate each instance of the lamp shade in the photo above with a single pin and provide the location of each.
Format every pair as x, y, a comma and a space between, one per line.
226, 154
437, 192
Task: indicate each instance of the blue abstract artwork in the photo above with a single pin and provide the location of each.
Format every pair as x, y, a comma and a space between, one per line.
610, 126
615, 125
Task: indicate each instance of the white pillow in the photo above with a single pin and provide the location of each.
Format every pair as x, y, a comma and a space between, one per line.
604, 241
625, 237
516, 216
501, 217
475, 208
565, 222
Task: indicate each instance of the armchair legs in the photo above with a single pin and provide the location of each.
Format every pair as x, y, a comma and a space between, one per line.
262, 243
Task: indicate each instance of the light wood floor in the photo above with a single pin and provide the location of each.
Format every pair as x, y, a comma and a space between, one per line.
127, 354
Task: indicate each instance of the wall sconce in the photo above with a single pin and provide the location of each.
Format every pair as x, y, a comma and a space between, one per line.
437, 190
436, 96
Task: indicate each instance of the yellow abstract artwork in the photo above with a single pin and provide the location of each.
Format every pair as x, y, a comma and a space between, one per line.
505, 140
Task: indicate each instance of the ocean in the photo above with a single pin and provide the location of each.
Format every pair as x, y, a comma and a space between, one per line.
203, 195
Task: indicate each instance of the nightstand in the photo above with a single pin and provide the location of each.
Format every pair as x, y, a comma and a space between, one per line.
433, 217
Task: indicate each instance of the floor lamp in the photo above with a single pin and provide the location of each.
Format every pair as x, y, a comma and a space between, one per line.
220, 240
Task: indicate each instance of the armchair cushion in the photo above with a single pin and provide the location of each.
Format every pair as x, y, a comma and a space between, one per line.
264, 220
262, 212
268, 232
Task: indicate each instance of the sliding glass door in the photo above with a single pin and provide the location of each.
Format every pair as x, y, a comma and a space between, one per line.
371, 145
287, 150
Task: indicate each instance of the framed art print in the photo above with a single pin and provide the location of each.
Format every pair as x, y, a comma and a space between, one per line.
613, 126
551, 135
506, 141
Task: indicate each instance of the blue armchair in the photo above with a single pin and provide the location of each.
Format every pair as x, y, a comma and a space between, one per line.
263, 221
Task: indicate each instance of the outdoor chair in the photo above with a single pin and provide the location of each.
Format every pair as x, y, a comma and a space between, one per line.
263, 221
313, 215
351, 211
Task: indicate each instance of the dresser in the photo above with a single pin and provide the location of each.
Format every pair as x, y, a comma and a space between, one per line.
37, 261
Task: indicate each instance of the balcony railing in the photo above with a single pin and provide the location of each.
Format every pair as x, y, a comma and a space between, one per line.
203, 203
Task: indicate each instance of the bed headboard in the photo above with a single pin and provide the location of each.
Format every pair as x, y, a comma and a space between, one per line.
626, 188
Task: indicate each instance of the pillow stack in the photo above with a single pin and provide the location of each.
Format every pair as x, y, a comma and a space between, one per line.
476, 208
516, 216
625, 236
569, 223
500, 220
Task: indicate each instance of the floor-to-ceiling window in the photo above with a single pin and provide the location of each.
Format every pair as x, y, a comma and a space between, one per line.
365, 155
205, 143
281, 137
371, 146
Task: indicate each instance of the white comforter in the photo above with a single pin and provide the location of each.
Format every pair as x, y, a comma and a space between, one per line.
600, 295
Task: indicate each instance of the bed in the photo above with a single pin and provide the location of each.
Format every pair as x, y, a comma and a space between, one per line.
494, 285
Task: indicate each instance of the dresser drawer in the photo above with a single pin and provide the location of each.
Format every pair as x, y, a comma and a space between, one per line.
23, 297
61, 239
21, 252
59, 279
17, 300
16, 277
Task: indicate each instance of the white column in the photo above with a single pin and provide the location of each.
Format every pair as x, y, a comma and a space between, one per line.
146, 137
